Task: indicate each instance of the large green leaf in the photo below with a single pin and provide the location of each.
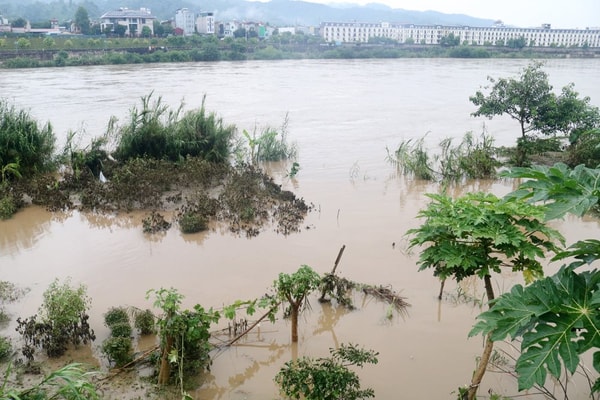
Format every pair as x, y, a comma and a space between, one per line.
558, 318
478, 233
562, 189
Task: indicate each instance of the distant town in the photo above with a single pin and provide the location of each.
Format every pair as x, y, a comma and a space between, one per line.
125, 22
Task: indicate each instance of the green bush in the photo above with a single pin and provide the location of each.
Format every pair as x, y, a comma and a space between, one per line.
118, 350
115, 316
8, 206
122, 329
23, 142
192, 222
64, 321
586, 150
5, 348
145, 322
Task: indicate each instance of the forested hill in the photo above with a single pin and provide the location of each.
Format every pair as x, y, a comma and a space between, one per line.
275, 12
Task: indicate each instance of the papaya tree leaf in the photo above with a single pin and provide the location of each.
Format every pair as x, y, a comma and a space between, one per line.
558, 318
563, 190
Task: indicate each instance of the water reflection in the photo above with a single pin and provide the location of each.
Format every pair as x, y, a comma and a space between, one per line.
25, 229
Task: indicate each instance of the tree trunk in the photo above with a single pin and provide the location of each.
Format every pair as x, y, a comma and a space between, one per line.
165, 365
487, 350
295, 310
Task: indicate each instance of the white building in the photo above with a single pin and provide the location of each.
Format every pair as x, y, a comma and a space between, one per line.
134, 21
186, 21
356, 32
205, 23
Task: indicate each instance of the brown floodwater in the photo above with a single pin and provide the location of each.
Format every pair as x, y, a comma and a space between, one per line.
342, 115
424, 353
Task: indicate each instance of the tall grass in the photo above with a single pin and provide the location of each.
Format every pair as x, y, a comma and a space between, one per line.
472, 158
26, 148
271, 144
158, 132
411, 158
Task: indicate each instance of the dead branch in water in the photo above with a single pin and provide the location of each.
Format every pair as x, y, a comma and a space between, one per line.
140, 358
387, 295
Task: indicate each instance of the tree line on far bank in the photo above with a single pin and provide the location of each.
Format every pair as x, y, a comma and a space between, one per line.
17, 51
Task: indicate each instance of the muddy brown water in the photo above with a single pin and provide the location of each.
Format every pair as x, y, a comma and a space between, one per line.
360, 202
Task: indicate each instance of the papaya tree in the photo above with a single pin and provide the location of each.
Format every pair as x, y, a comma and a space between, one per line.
477, 235
558, 317
183, 335
294, 289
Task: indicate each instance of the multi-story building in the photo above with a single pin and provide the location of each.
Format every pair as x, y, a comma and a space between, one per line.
134, 21
205, 23
186, 21
357, 32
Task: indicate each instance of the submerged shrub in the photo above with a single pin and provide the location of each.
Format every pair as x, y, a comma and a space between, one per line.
5, 348
586, 150
63, 321
116, 316
192, 222
118, 350
144, 321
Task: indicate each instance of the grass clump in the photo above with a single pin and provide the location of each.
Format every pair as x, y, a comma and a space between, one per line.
470, 159
158, 132
25, 147
271, 144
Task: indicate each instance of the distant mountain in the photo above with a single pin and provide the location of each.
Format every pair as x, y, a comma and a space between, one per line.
275, 12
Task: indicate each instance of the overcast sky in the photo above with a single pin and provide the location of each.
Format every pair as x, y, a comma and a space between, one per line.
522, 13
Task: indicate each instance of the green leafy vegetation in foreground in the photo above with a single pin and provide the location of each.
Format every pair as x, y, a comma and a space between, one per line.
71, 382
557, 318
326, 378
479, 234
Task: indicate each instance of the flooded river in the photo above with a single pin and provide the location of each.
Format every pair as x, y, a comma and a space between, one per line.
342, 115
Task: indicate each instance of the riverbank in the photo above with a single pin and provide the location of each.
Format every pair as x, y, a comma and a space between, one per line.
80, 52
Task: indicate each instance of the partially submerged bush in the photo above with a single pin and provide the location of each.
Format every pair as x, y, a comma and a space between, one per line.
586, 150
117, 319
63, 321
118, 350
5, 348
145, 322
192, 222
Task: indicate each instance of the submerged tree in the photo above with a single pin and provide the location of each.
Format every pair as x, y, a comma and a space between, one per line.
294, 290
183, 335
479, 234
530, 101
